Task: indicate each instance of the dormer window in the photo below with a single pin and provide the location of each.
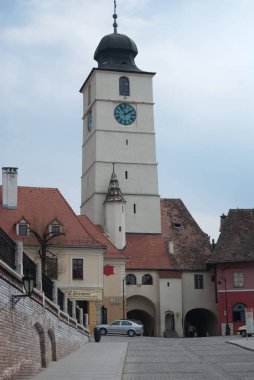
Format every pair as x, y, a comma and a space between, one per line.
22, 228
55, 228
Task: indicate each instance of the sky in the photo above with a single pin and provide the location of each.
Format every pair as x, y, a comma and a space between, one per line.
203, 56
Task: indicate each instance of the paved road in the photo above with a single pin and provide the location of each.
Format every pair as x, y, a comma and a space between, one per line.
144, 358
187, 359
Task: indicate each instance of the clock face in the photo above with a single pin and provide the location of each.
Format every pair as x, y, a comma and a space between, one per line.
90, 121
125, 114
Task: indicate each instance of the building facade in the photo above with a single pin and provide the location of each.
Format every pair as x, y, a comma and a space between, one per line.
76, 252
233, 262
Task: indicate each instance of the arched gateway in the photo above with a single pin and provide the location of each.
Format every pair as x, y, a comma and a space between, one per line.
142, 309
202, 321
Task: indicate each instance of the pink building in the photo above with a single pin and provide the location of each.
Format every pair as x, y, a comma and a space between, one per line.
233, 259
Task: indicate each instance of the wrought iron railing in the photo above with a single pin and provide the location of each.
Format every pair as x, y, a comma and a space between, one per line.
60, 299
7, 249
78, 314
29, 267
47, 286
69, 307
7, 254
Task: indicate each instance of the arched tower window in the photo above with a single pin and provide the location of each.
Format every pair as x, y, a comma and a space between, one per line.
131, 279
147, 279
124, 86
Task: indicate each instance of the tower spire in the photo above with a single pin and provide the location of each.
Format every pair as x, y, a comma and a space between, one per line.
115, 17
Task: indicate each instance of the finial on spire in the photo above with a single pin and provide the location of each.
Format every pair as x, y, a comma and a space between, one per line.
115, 17
113, 167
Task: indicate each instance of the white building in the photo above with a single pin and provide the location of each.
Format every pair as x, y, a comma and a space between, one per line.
166, 267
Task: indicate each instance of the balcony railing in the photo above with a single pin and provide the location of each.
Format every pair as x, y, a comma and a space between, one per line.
29, 267
47, 286
8, 253
69, 307
60, 299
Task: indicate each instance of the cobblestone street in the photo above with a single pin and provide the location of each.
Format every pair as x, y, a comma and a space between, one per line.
144, 358
187, 359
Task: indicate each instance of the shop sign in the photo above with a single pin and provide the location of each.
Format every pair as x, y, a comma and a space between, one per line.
115, 302
84, 294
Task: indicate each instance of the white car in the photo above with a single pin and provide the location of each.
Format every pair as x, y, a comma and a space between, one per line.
243, 332
124, 326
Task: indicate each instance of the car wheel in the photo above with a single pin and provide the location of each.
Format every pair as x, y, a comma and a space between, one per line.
103, 331
131, 333
243, 333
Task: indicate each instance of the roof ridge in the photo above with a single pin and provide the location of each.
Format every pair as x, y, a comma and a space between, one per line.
78, 217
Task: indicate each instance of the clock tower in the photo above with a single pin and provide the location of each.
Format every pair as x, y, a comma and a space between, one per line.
118, 127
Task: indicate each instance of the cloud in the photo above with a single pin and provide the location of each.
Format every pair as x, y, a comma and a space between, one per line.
203, 92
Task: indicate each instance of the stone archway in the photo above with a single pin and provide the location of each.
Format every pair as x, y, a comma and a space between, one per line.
204, 322
53, 344
41, 333
141, 308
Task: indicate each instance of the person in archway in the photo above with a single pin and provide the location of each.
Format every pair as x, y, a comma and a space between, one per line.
191, 331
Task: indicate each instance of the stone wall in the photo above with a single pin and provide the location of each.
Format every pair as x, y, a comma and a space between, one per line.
34, 332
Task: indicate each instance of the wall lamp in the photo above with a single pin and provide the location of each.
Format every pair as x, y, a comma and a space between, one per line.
28, 284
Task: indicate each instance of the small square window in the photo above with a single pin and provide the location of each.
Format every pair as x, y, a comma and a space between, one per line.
55, 228
22, 231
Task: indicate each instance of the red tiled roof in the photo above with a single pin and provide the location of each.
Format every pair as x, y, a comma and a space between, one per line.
191, 245
236, 240
169, 274
146, 252
97, 234
39, 207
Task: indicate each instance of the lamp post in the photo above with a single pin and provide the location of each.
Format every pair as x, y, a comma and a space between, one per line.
28, 284
123, 300
227, 332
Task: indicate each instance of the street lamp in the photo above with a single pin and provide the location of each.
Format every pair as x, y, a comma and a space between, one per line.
123, 300
227, 331
226, 300
28, 284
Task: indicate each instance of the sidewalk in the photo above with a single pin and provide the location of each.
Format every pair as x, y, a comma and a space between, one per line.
103, 360
247, 343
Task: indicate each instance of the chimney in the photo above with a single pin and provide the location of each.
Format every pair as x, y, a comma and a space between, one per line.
222, 220
9, 187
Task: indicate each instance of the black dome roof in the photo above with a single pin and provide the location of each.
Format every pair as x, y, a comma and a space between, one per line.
117, 52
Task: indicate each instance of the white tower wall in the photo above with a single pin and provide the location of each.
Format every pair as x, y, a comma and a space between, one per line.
131, 148
115, 223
